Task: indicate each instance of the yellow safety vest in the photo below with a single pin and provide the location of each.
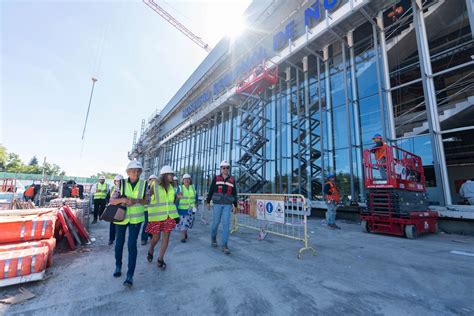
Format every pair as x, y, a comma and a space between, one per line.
103, 194
162, 204
135, 213
189, 198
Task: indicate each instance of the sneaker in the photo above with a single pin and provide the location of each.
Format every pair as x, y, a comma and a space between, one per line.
226, 250
128, 282
111, 242
143, 242
118, 272
214, 243
94, 221
331, 226
183, 240
336, 227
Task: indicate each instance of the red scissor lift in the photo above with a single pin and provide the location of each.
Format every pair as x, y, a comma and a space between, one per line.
260, 78
397, 203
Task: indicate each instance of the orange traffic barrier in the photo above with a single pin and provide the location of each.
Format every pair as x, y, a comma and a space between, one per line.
21, 262
16, 229
50, 243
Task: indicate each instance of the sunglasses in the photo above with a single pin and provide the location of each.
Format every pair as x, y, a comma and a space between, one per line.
225, 167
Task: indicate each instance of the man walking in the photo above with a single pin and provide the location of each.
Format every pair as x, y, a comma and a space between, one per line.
332, 197
223, 193
100, 194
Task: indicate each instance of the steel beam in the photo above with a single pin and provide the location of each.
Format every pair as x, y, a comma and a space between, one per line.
430, 100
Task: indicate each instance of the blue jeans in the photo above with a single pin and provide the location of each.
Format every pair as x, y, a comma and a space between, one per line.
133, 231
112, 231
331, 213
145, 236
224, 211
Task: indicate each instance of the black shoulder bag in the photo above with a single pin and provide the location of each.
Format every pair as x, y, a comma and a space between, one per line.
115, 213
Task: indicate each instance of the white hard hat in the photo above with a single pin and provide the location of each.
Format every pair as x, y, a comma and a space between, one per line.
186, 176
101, 178
118, 178
134, 164
225, 163
166, 169
175, 178
152, 177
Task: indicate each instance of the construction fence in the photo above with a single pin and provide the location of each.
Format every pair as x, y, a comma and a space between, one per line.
283, 215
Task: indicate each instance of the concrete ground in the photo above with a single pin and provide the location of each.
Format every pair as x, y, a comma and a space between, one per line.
352, 273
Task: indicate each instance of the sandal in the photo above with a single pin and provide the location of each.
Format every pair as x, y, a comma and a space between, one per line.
149, 257
161, 264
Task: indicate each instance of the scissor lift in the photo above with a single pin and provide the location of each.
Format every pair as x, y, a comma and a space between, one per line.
396, 195
252, 139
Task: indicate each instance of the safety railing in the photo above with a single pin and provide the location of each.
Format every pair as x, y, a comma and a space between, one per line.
283, 215
205, 213
397, 169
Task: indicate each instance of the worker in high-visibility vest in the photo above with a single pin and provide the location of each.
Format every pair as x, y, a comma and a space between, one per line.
186, 206
144, 236
100, 191
223, 193
380, 152
332, 198
29, 193
131, 193
75, 191
113, 188
162, 213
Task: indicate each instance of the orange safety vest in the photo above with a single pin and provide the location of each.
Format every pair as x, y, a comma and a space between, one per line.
30, 192
335, 195
381, 152
74, 191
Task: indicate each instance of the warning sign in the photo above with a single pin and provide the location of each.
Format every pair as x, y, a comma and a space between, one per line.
270, 210
279, 212
261, 209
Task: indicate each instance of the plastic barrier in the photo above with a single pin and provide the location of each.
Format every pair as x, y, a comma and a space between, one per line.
16, 229
23, 262
283, 215
50, 243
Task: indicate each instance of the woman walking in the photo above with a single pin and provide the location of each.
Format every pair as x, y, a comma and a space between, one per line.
114, 188
162, 213
186, 206
132, 194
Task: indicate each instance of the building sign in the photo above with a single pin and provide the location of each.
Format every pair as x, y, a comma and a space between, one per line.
228, 79
197, 103
311, 15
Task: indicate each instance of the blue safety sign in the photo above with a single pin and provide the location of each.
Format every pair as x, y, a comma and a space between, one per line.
269, 207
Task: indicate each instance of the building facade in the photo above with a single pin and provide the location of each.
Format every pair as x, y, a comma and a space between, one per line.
347, 69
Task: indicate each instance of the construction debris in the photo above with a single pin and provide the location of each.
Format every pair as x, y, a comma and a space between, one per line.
24, 295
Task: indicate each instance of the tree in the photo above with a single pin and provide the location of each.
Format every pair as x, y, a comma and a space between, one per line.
33, 161
107, 175
14, 163
3, 157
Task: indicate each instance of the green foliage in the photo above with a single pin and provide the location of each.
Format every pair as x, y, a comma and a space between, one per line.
107, 175
11, 162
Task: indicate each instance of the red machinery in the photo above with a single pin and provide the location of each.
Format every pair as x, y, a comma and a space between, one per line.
259, 79
8, 185
397, 203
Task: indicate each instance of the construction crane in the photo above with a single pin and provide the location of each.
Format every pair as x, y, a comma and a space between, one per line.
183, 29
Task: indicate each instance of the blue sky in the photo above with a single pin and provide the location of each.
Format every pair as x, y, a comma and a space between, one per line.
51, 49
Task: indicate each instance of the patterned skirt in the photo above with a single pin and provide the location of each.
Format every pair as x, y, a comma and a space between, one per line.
162, 226
186, 221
